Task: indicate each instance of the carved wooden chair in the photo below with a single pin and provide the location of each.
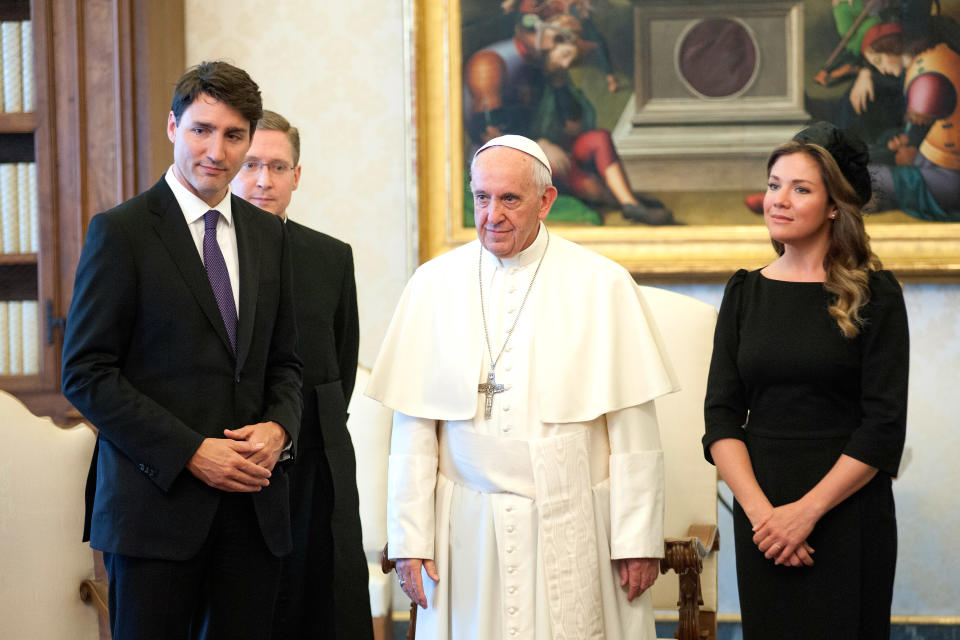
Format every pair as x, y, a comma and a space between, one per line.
690, 528
42, 560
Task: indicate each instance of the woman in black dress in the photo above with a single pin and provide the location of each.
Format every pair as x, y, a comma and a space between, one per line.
806, 404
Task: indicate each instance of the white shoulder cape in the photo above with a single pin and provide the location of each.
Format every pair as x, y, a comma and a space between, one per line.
595, 344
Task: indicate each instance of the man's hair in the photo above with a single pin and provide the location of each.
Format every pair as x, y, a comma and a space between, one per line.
273, 121
541, 176
223, 82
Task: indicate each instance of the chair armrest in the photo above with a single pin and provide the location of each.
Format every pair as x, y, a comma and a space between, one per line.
386, 564
685, 556
681, 554
94, 592
708, 535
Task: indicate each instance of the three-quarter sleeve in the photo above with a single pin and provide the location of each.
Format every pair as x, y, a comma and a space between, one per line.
725, 405
885, 361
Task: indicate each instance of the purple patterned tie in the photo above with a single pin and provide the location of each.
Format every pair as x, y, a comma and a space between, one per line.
219, 277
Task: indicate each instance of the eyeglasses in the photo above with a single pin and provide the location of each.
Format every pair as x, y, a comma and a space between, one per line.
275, 167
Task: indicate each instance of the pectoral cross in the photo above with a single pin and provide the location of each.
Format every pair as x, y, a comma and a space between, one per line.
489, 388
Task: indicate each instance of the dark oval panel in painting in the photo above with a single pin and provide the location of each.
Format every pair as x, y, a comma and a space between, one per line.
718, 57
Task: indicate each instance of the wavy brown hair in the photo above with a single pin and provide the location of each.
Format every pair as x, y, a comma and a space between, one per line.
849, 258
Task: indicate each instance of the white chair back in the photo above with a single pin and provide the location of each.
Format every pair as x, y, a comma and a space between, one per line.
686, 326
42, 560
370, 424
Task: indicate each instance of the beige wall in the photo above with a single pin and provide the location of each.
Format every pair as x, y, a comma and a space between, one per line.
336, 71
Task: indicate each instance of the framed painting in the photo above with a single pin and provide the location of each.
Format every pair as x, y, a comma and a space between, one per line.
662, 114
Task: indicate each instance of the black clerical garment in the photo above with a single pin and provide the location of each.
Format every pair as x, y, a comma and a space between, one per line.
324, 593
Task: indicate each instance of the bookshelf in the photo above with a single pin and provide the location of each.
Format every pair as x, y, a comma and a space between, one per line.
18, 123
94, 133
21, 289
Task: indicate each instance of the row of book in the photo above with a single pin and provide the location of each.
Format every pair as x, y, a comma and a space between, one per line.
16, 66
19, 338
19, 231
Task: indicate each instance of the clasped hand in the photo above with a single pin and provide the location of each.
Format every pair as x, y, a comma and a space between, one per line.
782, 535
243, 460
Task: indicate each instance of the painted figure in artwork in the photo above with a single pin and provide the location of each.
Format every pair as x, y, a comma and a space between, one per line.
873, 103
522, 85
579, 9
918, 171
903, 102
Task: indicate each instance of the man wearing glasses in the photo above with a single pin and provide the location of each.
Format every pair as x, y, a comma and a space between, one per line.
323, 591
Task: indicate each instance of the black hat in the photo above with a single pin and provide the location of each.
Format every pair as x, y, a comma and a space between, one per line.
849, 152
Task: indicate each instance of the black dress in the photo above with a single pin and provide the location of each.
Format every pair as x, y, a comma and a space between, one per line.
812, 395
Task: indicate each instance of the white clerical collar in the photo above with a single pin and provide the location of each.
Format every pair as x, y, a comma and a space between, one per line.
192, 206
526, 257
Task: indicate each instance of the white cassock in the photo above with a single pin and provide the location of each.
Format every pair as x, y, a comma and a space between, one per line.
525, 513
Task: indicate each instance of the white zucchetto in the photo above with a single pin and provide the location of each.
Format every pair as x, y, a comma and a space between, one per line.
520, 143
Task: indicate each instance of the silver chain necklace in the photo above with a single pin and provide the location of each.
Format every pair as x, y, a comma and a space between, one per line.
490, 387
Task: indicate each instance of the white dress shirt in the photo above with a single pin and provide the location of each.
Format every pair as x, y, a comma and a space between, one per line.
193, 209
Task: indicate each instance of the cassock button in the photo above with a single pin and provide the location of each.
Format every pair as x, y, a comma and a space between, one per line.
513, 631
509, 508
511, 569
506, 407
507, 428
512, 590
511, 549
511, 528
512, 611
511, 310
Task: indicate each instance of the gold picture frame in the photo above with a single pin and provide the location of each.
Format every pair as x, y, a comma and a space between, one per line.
923, 251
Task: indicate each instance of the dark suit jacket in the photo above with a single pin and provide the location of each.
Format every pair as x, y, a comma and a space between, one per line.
325, 300
147, 360
326, 309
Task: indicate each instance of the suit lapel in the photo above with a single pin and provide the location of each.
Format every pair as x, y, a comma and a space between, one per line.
248, 248
171, 226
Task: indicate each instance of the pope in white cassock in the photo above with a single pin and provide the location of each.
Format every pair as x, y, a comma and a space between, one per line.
526, 472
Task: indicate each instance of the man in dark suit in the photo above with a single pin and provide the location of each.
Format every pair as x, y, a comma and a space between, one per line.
180, 348
323, 592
